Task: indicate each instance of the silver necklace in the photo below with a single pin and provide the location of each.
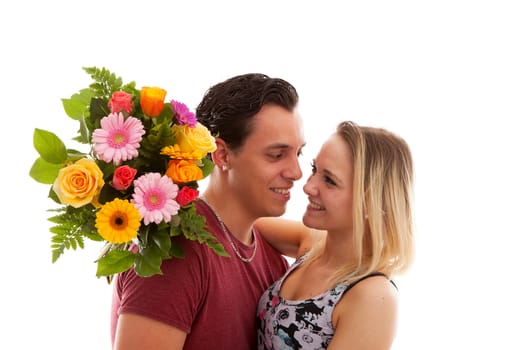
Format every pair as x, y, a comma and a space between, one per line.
228, 236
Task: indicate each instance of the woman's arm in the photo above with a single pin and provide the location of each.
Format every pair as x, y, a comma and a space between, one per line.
291, 238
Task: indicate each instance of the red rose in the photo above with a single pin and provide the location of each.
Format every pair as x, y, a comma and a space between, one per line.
123, 177
120, 101
186, 195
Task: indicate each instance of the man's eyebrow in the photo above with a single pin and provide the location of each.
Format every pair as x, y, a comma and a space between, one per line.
282, 146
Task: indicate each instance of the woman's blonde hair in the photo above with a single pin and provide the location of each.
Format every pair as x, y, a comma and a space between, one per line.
383, 237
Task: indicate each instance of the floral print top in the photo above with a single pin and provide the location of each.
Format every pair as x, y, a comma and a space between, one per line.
297, 324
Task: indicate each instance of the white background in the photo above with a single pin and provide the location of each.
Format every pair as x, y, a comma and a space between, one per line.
449, 76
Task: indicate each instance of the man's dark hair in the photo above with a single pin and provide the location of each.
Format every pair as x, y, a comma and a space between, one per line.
227, 108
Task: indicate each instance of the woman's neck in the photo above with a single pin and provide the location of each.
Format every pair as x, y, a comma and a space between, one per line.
337, 251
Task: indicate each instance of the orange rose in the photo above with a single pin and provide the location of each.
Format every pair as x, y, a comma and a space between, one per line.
152, 101
183, 171
79, 184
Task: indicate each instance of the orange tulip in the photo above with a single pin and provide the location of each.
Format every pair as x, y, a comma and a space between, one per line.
152, 101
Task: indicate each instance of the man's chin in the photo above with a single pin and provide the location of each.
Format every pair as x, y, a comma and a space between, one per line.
274, 211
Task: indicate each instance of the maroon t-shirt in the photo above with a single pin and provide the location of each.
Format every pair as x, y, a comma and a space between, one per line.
212, 298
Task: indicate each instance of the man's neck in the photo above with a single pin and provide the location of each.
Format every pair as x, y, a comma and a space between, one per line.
232, 213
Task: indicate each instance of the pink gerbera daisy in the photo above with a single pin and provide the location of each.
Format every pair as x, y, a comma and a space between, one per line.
154, 198
183, 113
118, 139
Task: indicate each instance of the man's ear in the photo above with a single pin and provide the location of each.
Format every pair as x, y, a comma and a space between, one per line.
220, 156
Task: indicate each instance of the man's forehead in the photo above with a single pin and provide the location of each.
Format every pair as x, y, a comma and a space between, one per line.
277, 127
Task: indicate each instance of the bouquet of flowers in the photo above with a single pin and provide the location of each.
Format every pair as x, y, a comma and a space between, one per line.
135, 186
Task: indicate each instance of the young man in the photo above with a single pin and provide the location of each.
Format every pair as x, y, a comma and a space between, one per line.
205, 301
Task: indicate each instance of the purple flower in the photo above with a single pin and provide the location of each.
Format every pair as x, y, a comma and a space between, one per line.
183, 114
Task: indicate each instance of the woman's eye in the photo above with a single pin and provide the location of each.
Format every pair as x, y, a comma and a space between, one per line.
329, 181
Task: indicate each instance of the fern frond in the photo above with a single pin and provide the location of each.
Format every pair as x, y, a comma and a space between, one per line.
193, 227
62, 240
105, 82
72, 226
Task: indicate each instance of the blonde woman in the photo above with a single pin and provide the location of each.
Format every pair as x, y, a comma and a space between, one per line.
340, 294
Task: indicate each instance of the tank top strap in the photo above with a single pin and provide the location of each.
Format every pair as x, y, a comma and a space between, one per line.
373, 274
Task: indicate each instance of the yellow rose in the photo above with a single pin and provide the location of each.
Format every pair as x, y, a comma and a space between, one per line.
79, 184
194, 139
183, 171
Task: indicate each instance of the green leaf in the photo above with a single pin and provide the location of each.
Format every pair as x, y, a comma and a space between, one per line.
74, 109
207, 166
98, 109
162, 240
44, 172
115, 261
107, 168
108, 194
53, 195
159, 136
155, 247
166, 116
148, 261
176, 251
84, 131
49, 146
73, 155
77, 105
